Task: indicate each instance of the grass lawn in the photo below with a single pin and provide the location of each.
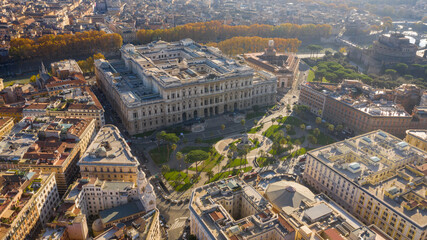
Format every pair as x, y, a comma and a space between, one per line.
209, 164
159, 154
188, 149
222, 175
323, 139
310, 76
180, 181
263, 161
301, 139
297, 153
212, 140
145, 134
177, 130
255, 115
256, 143
271, 130
255, 129
236, 162
296, 122
21, 80
283, 122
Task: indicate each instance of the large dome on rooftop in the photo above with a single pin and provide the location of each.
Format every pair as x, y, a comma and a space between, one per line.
288, 196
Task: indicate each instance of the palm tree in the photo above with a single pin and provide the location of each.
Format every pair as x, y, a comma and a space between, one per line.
243, 122
302, 126
316, 132
319, 112
297, 142
209, 174
318, 120
222, 127
312, 139
165, 168
331, 127
179, 156
339, 127
173, 147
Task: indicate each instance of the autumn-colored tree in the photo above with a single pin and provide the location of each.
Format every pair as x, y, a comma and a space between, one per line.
215, 31
65, 45
88, 65
239, 45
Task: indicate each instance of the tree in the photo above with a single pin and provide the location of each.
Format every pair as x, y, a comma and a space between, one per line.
339, 127
401, 68
312, 139
319, 112
169, 138
331, 127
302, 126
33, 78
179, 156
222, 127
343, 50
297, 143
159, 137
318, 120
288, 127
209, 174
165, 168
316, 132
196, 156
65, 45
392, 73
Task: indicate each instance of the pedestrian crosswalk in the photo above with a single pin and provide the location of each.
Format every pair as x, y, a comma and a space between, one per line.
179, 223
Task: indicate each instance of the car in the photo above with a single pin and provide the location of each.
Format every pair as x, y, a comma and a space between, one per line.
294, 96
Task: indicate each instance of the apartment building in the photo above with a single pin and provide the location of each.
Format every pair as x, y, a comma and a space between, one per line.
231, 209
361, 108
162, 84
78, 102
417, 138
316, 216
6, 125
109, 157
13, 112
29, 200
376, 177
69, 223
48, 144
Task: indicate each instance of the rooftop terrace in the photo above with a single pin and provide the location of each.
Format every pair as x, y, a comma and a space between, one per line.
208, 204
109, 148
385, 167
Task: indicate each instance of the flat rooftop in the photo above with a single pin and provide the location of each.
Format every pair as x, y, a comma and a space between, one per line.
42, 140
361, 97
18, 188
419, 133
206, 202
169, 65
363, 158
109, 148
